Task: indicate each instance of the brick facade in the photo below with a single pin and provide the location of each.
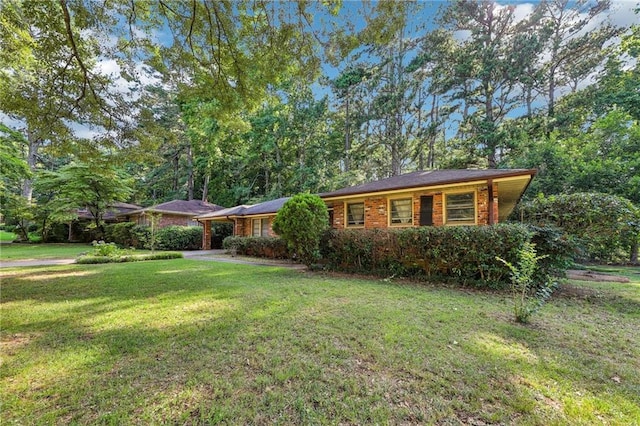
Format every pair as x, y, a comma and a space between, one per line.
376, 209
244, 226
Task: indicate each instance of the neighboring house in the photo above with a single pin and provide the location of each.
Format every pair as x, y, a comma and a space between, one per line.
176, 212
423, 198
117, 212
255, 220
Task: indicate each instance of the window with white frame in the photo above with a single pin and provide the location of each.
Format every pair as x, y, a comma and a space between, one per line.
355, 214
401, 211
460, 208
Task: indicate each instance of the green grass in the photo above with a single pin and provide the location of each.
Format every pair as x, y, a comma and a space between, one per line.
193, 342
42, 251
7, 236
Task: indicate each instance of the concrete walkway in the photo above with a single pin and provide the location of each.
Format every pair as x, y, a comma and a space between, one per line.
206, 255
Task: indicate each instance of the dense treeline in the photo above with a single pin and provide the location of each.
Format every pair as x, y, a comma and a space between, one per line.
240, 102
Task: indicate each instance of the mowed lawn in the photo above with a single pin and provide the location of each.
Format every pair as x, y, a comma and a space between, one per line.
192, 342
21, 251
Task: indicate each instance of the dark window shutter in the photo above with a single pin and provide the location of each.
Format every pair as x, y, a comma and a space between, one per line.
426, 210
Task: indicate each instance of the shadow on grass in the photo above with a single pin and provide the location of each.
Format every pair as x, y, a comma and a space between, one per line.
190, 342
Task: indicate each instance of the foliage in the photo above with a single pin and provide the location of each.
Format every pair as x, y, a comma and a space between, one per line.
464, 255
141, 236
6, 236
102, 249
179, 238
92, 185
154, 220
120, 233
95, 259
528, 296
607, 226
268, 247
301, 222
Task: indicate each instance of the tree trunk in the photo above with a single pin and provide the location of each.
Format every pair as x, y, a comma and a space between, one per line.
189, 172
205, 187
27, 186
347, 135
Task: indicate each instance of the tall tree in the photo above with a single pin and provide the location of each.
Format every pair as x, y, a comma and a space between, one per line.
489, 65
573, 50
49, 80
95, 186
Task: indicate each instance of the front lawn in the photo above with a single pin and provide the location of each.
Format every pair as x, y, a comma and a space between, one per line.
23, 251
185, 342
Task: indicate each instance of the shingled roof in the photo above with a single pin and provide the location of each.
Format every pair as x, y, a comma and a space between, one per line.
112, 211
268, 207
426, 178
181, 207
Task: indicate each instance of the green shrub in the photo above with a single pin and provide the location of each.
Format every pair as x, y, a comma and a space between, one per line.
268, 247
301, 222
91, 259
179, 238
464, 254
606, 226
121, 234
140, 236
102, 249
528, 295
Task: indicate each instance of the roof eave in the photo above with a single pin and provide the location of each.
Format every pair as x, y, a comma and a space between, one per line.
443, 184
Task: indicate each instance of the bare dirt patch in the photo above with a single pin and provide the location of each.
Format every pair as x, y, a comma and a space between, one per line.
595, 276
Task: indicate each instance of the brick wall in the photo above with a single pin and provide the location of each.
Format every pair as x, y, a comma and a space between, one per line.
375, 212
376, 209
338, 216
206, 235
244, 227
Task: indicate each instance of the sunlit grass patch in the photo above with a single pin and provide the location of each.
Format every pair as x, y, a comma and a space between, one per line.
205, 342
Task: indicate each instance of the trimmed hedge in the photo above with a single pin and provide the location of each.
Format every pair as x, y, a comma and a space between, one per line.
128, 234
268, 247
90, 259
465, 254
121, 234
179, 238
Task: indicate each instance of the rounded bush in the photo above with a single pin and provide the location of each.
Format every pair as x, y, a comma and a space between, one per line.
301, 222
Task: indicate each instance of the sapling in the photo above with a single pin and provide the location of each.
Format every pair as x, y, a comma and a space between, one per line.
528, 295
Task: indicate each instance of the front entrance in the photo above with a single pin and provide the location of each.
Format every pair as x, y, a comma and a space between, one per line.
426, 210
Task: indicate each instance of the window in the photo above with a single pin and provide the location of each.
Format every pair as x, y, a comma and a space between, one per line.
461, 208
255, 227
193, 223
401, 211
355, 214
260, 227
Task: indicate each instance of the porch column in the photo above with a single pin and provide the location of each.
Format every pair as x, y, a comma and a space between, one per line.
206, 235
492, 219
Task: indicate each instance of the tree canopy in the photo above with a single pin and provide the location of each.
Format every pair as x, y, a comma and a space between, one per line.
238, 102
